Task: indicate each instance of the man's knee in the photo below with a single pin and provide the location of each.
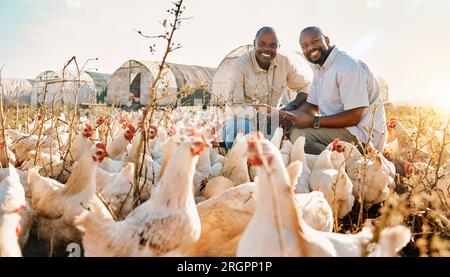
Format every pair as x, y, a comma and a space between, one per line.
233, 127
306, 132
313, 145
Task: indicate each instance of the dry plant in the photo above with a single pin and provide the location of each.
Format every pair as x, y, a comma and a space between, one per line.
168, 36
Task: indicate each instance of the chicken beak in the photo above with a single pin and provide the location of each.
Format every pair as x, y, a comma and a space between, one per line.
198, 147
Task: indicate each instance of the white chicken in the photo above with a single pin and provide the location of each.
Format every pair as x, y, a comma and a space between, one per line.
313, 207
276, 230
116, 189
286, 149
224, 219
82, 142
6, 155
111, 165
9, 234
165, 225
335, 184
375, 185
12, 201
277, 137
235, 165
57, 204
12, 193
379, 173
117, 147
216, 186
298, 154
225, 216
273, 229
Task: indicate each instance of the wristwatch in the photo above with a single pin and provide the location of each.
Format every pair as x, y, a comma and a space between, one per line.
316, 124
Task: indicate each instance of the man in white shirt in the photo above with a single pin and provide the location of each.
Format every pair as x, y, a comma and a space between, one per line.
261, 76
344, 100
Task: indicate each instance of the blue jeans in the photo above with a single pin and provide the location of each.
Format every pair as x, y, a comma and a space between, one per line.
233, 127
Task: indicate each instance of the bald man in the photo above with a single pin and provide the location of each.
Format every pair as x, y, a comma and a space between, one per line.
261, 76
343, 95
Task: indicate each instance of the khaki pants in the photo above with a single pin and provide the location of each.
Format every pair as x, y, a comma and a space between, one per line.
316, 140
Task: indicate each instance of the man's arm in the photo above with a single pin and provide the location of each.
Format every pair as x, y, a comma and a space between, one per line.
297, 102
296, 82
302, 119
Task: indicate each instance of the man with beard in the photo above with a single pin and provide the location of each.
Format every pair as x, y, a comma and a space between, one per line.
258, 79
344, 100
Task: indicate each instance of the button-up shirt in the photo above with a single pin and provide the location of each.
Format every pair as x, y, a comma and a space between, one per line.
251, 84
343, 83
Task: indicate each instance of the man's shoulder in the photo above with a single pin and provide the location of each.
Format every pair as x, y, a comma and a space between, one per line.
284, 59
345, 61
243, 59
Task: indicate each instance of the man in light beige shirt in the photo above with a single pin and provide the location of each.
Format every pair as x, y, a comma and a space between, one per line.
261, 76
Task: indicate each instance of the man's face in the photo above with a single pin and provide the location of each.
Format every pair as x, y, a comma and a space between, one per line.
266, 46
315, 47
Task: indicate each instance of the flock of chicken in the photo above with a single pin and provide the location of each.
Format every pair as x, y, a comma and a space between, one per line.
263, 198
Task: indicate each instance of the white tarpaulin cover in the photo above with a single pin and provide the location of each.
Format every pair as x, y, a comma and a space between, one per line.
135, 78
16, 91
63, 90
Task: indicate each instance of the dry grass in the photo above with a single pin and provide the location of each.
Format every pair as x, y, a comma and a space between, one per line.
419, 201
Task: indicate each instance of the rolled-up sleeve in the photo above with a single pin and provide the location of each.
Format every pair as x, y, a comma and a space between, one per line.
312, 95
352, 87
236, 93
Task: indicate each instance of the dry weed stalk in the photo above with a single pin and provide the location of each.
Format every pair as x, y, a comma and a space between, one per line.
170, 46
2, 120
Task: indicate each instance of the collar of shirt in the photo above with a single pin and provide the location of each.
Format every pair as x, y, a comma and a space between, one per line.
256, 67
327, 64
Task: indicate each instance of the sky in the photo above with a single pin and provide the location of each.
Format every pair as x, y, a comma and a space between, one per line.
407, 42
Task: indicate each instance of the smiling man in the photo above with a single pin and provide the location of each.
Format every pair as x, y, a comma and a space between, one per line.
343, 95
261, 76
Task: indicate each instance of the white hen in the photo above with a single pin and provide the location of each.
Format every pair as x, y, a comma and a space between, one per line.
57, 204
335, 184
9, 233
298, 154
165, 225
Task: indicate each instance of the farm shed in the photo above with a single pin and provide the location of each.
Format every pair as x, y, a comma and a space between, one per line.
131, 83
17, 91
91, 88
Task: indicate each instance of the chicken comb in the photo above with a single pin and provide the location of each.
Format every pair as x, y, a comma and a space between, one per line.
195, 133
153, 127
172, 131
407, 168
88, 125
101, 145
335, 142
251, 144
216, 142
392, 122
100, 120
131, 128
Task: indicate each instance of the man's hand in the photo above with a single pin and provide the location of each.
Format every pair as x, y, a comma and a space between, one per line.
282, 116
298, 119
